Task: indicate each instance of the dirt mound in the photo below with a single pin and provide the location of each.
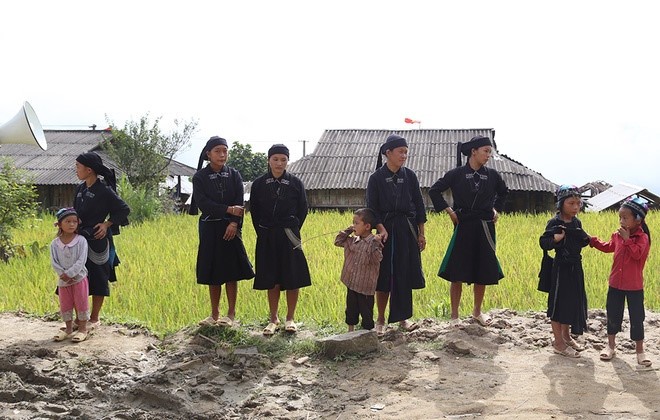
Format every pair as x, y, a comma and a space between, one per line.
502, 371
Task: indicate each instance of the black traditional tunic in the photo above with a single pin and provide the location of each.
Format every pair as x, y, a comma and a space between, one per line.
567, 299
219, 261
470, 257
279, 209
94, 205
397, 202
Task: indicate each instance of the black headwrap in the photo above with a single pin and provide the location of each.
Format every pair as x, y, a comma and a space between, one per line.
392, 142
474, 143
94, 162
210, 144
278, 149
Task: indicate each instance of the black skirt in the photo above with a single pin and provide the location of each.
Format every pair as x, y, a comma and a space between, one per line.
470, 257
279, 262
220, 261
567, 299
401, 266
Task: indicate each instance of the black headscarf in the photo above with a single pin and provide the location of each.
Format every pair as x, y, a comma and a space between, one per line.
210, 144
392, 142
278, 149
474, 143
94, 162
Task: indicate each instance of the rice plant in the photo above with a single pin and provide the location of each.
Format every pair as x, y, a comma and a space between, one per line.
157, 286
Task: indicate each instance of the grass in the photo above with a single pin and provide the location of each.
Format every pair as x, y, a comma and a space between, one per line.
157, 287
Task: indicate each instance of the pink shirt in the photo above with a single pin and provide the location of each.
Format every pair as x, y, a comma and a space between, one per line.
629, 259
362, 258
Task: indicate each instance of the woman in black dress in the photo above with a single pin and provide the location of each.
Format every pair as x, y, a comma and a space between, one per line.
278, 205
393, 194
478, 193
221, 256
101, 212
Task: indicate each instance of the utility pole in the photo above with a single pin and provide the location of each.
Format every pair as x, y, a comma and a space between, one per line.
304, 142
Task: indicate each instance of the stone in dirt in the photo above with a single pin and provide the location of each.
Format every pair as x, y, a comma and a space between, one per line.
353, 343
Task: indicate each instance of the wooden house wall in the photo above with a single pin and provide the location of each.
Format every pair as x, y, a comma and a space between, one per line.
53, 197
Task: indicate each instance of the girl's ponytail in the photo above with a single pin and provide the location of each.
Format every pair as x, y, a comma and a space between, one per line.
646, 230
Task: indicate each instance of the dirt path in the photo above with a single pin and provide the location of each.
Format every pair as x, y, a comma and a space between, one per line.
502, 372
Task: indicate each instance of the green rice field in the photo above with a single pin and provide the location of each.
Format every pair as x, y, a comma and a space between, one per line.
157, 286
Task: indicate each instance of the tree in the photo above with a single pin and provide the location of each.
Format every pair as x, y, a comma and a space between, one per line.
144, 152
250, 164
18, 202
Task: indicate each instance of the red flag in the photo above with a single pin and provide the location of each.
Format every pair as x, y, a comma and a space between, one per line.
411, 121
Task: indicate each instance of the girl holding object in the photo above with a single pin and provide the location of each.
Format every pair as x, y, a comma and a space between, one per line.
630, 245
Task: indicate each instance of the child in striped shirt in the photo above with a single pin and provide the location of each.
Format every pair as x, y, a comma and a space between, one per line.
363, 252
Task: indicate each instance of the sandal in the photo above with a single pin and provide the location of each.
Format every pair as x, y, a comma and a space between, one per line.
206, 322
642, 360
574, 344
91, 326
408, 326
62, 335
79, 337
454, 322
607, 353
483, 319
225, 321
290, 326
380, 330
567, 352
271, 328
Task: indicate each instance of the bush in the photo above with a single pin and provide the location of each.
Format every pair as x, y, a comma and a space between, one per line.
17, 203
144, 204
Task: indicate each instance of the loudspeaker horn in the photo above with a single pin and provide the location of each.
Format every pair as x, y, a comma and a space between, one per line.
24, 128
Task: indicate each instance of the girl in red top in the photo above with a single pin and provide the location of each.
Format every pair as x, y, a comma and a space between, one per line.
630, 244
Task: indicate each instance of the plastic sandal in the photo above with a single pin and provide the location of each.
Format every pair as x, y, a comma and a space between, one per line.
290, 326
574, 344
79, 337
642, 360
225, 321
62, 335
204, 322
408, 326
567, 352
271, 328
483, 319
380, 330
607, 353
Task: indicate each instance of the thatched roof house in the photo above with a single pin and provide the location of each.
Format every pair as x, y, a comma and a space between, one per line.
336, 173
53, 170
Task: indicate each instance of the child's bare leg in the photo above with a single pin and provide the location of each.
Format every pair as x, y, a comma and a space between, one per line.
82, 326
557, 328
381, 304
69, 326
455, 292
639, 346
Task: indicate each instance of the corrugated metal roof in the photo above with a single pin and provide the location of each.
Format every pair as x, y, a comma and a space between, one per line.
618, 193
56, 166
344, 159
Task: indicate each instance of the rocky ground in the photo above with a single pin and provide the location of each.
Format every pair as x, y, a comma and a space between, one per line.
506, 370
